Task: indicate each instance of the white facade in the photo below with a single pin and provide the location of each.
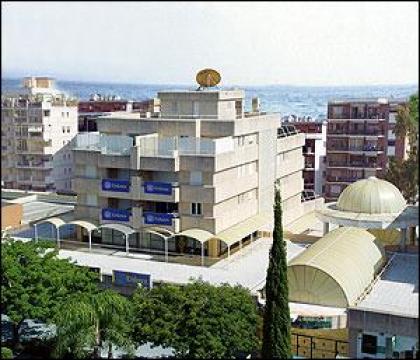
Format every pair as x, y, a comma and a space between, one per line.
37, 127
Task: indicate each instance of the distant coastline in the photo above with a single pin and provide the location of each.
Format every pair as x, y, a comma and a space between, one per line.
286, 99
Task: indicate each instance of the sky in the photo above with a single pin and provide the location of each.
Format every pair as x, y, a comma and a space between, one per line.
249, 43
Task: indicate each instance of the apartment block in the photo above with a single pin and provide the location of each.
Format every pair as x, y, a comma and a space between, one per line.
360, 139
37, 126
314, 152
200, 169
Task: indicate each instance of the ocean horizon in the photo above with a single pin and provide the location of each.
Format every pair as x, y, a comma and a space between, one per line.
285, 99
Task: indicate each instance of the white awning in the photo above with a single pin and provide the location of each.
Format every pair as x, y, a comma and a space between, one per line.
126, 230
197, 234
84, 224
57, 222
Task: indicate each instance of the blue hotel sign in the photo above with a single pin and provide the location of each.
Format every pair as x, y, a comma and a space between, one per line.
116, 185
158, 219
154, 187
123, 278
115, 214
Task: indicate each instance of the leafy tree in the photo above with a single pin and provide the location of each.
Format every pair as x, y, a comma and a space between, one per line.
197, 320
35, 283
404, 173
276, 326
88, 321
6, 353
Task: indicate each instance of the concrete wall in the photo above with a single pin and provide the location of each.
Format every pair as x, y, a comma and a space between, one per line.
370, 321
11, 216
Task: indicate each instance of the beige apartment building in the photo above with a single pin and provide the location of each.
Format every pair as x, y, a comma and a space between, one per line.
200, 174
37, 126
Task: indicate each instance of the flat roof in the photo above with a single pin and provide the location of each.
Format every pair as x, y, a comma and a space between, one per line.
37, 210
396, 291
360, 100
247, 267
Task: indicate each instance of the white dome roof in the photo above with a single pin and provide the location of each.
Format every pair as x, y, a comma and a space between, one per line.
371, 196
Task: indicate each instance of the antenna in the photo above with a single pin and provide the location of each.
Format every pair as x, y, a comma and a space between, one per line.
207, 78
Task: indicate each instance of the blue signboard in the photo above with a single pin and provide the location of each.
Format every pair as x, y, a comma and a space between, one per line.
158, 218
116, 185
123, 278
115, 214
154, 187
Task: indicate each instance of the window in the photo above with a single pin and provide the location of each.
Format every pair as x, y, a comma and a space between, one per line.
47, 112
68, 114
391, 142
196, 178
91, 200
68, 129
90, 171
369, 343
65, 170
64, 129
62, 114
196, 208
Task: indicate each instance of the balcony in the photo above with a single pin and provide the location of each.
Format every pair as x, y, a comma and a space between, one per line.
353, 164
342, 179
137, 189
352, 148
40, 165
115, 145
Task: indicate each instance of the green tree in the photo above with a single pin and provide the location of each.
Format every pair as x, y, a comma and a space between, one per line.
6, 353
404, 173
90, 321
276, 326
35, 283
197, 320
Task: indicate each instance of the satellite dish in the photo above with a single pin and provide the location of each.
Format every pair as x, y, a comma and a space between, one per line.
208, 78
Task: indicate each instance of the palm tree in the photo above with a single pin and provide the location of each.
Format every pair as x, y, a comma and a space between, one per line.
89, 321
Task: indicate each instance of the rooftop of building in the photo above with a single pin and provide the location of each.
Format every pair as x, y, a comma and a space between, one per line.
371, 196
370, 203
359, 100
247, 267
396, 290
340, 265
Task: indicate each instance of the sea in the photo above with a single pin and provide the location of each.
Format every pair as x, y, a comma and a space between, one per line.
301, 101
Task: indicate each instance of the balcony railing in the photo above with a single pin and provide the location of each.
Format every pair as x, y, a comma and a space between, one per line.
35, 164
106, 144
352, 164
368, 147
152, 146
349, 179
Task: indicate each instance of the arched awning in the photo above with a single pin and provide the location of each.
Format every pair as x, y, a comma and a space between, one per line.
126, 230
84, 224
336, 269
197, 234
237, 232
57, 222
158, 231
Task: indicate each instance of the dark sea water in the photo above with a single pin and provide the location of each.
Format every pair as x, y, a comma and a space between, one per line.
297, 100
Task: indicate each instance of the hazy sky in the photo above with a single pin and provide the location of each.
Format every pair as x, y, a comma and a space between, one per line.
249, 43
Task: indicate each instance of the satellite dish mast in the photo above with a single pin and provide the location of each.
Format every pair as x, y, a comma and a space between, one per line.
207, 78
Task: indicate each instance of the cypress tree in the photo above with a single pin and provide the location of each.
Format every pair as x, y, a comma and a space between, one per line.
276, 327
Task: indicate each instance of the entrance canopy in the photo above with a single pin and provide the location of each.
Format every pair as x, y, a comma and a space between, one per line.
200, 235
57, 222
237, 232
84, 224
126, 230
